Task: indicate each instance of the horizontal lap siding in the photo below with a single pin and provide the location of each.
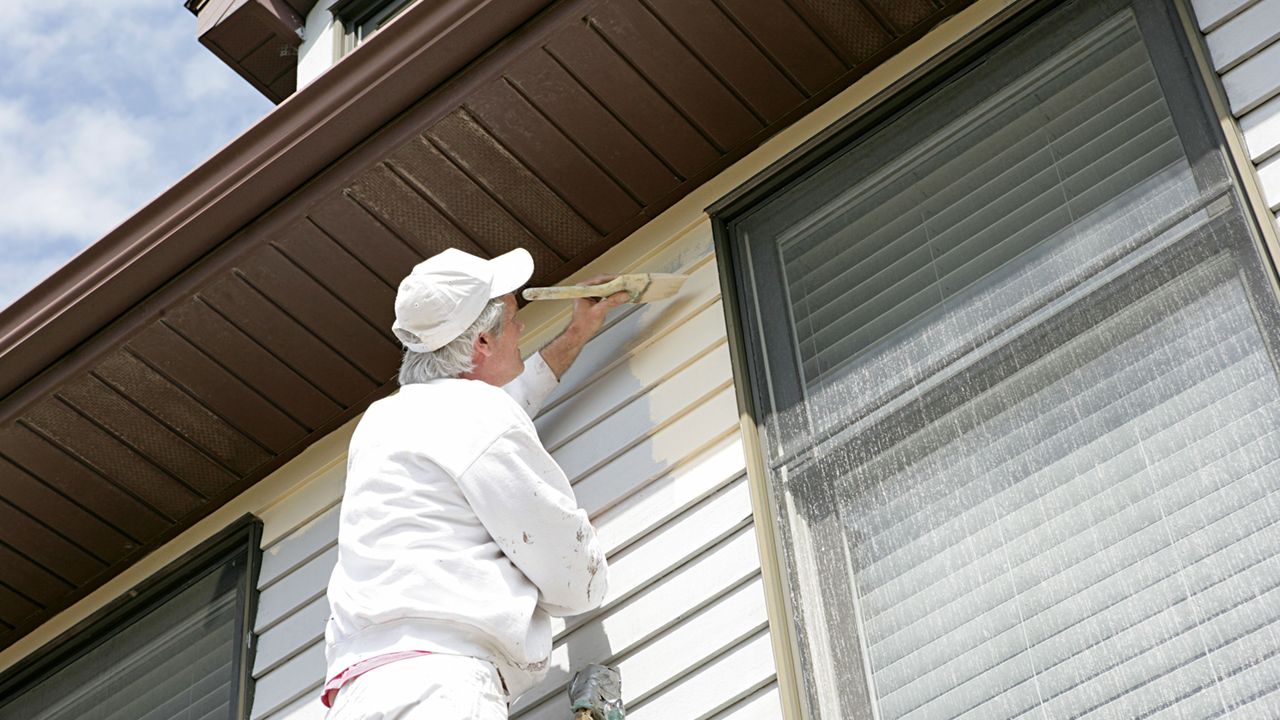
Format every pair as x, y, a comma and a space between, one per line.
1243, 37
645, 424
288, 665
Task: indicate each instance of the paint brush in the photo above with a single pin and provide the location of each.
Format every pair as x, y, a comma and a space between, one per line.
643, 288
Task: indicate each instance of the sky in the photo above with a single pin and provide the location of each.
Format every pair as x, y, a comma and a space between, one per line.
103, 105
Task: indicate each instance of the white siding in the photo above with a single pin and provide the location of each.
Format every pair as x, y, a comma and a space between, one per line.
288, 667
1212, 13
1243, 37
645, 424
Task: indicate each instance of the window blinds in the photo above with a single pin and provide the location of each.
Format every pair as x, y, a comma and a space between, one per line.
1102, 543
1039, 471
1022, 168
175, 663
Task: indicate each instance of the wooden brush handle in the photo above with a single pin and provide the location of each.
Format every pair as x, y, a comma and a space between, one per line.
623, 283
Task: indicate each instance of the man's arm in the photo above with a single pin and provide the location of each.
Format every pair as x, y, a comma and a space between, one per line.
526, 503
544, 368
588, 317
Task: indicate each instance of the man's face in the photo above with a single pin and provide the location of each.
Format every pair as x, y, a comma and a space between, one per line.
502, 363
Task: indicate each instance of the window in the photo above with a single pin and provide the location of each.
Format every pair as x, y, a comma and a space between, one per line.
1013, 355
177, 647
361, 18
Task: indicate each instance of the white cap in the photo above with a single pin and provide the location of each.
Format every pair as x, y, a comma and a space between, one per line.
440, 298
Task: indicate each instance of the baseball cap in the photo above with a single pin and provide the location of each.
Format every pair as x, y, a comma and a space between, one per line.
440, 298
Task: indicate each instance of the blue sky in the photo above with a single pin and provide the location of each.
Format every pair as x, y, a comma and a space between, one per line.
103, 105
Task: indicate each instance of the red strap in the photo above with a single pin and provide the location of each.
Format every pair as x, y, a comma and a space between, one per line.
335, 683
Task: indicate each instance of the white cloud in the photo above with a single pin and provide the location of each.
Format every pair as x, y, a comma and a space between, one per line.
56, 38
103, 105
202, 79
74, 173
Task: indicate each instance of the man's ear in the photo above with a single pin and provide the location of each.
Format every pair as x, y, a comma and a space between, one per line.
483, 347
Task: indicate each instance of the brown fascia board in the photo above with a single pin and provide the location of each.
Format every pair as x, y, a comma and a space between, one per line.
277, 155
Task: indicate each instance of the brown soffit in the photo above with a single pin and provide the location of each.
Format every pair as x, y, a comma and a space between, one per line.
279, 153
259, 39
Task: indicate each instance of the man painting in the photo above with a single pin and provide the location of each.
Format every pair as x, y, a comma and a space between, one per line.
459, 535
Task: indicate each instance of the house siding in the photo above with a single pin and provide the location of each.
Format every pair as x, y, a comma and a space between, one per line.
297, 557
646, 426
1243, 38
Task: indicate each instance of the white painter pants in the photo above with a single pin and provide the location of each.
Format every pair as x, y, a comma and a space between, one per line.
430, 687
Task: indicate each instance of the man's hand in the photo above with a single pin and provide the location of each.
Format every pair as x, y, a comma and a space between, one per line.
589, 313
588, 317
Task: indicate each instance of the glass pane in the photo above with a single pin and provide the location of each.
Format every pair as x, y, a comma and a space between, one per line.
1028, 464
177, 661
374, 19
1090, 530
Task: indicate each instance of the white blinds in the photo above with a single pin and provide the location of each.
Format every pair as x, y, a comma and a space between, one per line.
175, 663
1071, 136
1100, 538
1038, 465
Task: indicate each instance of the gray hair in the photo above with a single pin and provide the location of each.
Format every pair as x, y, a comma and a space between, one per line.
455, 358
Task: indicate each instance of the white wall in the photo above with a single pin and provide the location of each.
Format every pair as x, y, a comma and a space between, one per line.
298, 553
1244, 46
318, 41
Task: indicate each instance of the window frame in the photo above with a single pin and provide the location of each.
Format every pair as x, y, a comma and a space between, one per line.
1242, 164
1170, 55
241, 540
1180, 53
353, 18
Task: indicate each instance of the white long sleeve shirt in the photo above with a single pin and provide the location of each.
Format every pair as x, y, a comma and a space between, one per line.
458, 532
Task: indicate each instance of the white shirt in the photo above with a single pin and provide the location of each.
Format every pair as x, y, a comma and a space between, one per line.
459, 533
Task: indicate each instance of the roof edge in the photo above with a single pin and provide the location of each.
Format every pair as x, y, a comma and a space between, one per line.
244, 179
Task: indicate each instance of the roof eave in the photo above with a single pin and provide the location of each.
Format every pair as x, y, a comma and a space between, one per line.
275, 156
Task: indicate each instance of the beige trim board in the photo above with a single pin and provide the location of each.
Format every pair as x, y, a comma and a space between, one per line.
778, 605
